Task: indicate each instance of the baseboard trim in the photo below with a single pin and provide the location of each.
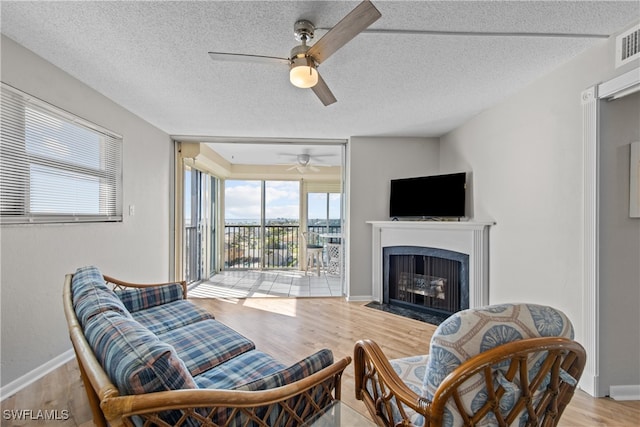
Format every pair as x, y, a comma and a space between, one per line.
359, 298
30, 377
625, 392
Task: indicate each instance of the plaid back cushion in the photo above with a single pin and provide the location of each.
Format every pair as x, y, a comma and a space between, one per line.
206, 344
136, 299
135, 360
92, 296
471, 332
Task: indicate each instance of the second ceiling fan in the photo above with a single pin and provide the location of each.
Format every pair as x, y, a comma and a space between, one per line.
304, 59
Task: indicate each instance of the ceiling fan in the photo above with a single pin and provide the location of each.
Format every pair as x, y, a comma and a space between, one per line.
303, 163
304, 60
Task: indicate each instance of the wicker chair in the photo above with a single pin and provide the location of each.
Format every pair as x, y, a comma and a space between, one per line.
334, 255
510, 364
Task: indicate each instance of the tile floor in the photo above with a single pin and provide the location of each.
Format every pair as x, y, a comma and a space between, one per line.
270, 283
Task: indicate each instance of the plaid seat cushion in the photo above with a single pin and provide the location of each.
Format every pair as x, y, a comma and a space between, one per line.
165, 317
240, 370
136, 299
92, 296
136, 360
307, 366
205, 344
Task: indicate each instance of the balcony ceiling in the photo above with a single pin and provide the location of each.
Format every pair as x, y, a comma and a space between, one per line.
151, 57
278, 154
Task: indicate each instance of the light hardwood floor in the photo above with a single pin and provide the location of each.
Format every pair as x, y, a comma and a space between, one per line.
290, 329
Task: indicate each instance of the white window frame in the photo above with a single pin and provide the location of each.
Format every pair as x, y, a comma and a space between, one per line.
95, 166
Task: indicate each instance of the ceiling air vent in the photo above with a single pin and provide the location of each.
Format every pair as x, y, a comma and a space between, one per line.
627, 46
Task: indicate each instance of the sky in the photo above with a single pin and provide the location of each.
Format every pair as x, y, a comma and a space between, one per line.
242, 201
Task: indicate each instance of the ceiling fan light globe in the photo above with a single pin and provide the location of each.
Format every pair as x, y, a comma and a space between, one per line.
302, 75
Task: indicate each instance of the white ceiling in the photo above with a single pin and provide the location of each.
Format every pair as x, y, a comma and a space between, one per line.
279, 154
151, 57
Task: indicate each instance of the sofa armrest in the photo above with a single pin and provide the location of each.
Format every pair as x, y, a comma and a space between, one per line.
292, 404
380, 388
136, 296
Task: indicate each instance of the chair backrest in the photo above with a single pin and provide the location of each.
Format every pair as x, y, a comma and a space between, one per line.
312, 239
510, 383
334, 251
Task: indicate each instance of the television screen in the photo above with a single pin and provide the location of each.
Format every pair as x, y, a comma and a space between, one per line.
428, 196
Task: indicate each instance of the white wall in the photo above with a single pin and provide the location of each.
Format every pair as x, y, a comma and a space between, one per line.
35, 258
372, 163
526, 158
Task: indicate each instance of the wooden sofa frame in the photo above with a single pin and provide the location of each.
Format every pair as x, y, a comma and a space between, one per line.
372, 368
297, 402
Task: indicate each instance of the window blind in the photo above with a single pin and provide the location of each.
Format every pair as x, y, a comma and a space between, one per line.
54, 166
322, 187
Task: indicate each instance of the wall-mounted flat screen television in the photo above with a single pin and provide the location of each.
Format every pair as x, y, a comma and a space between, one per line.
435, 196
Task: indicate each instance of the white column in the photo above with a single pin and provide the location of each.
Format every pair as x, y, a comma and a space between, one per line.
590, 258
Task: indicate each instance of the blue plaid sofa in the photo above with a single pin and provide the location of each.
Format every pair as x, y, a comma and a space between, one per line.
149, 356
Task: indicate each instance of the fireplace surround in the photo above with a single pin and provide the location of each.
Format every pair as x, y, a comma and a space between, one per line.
427, 279
466, 243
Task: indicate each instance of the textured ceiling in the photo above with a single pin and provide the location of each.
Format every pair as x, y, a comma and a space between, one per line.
151, 57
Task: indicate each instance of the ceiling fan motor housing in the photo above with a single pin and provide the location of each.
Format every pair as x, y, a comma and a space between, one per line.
303, 159
303, 30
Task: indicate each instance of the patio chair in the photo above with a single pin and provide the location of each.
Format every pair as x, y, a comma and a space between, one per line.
501, 365
334, 256
314, 249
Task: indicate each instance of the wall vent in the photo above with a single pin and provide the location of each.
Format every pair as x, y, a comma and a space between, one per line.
628, 46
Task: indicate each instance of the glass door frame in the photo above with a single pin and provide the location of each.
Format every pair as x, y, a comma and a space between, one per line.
203, 198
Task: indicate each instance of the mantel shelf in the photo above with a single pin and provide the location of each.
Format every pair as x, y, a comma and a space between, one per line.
458, 225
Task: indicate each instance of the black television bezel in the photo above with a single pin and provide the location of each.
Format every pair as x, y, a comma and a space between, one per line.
453, 208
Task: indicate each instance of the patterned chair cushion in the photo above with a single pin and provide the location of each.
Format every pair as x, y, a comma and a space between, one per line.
92, 296
163, 318
411, 371
240, 370
136, 360
136, 299
470, 332
205, 344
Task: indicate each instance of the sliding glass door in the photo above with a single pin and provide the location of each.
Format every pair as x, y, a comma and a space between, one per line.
324, 212
262, 221
199, 242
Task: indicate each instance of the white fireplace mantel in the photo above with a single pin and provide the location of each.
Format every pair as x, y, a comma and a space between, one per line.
468, 237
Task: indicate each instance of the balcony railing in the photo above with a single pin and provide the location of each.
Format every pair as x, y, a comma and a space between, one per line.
246, 247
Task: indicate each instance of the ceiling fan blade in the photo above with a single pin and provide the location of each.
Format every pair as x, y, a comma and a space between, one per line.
350, 26
478, 33
241, 57
323, 92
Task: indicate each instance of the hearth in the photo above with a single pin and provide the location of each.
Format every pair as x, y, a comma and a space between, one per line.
433, 280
